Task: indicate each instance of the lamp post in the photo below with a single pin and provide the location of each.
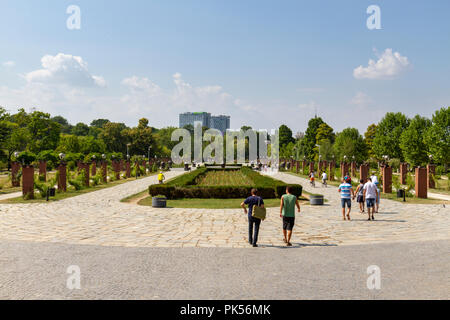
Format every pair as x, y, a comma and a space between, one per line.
128, 151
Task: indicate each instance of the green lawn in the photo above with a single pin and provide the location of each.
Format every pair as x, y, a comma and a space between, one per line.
413, 200
224, 178
70, 193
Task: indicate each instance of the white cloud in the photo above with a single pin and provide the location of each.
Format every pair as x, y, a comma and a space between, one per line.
361, 100
389, 65
64, 69
9, 64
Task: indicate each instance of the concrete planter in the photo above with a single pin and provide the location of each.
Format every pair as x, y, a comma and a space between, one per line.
316, 200
158, 202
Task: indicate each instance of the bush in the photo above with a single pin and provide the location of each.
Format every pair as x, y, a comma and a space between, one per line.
26, 157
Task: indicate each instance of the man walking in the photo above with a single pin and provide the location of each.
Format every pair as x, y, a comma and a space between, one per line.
287, 212
253, 223
370, 196
347, 193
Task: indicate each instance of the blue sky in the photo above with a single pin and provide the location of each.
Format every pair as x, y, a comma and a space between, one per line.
265, 63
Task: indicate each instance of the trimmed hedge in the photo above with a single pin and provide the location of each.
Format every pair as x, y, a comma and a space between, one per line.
184, 187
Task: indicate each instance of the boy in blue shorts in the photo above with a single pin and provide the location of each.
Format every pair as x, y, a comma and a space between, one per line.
347, 193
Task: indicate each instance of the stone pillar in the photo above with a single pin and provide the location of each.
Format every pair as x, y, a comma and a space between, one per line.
137, 168
116, 168
297, 164
353, 168
28, 182
122, 165
403, 172
15, 166
431, 171
421, 183
43, 169
85, 167
331, 169
311, 166
79, 166
387, 179
62, 177
128, 169
104, 171
94, 168
344, 169
364, 172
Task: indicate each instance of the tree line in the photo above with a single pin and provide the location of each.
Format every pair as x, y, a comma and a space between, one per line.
396, 136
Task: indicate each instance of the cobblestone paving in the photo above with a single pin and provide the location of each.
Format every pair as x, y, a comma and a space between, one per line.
99, 218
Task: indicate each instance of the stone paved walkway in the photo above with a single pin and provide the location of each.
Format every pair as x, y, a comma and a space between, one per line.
99, 218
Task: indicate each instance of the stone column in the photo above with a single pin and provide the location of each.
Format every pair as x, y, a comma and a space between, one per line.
104, 171
431, 171
364, 172
94, 168
403, 172
79, 166
332, 166
421, 183
128, 169
85, 167
62, 177
297, 164
116, 168
122, 165
43, 169
137, 168
15, 166
387, 179
303, 164
28, 182
344, 169
311, 166
353, 168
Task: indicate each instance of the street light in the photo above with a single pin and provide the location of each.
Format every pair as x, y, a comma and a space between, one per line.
128, 150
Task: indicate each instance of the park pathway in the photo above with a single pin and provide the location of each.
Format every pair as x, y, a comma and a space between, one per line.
99, 218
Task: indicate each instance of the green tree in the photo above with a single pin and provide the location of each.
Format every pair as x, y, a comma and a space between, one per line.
66, 127
368, 138
285, 136
44, 132
325, 133
114, 137
414, 149
99, 123
308, 144
437, 137
80, 129
140, 138
351, 144
387, 137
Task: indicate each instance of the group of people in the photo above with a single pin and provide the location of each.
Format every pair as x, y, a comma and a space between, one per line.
367, 194
312, 179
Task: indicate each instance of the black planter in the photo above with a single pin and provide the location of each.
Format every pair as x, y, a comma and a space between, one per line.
400, 193
316, 200
159, 202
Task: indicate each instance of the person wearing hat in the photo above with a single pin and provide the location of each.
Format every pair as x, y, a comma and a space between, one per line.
347, 193
161, 177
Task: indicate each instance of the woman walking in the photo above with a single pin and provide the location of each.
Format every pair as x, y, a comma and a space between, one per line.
360, 196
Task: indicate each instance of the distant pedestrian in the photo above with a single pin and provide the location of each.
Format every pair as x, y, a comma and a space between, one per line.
377, 203
324, 179
161, 177
347, 193
370, 196
360, 195
287, 211
253, 223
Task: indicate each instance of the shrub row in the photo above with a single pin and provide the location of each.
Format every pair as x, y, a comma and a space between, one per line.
184, 187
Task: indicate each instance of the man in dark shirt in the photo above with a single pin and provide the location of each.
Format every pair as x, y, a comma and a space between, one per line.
251, 201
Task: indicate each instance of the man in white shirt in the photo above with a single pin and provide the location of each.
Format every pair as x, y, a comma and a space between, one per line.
324, 178
370, 196
374, 178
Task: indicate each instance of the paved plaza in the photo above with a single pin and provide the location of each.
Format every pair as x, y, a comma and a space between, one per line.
99, 218
126, 251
